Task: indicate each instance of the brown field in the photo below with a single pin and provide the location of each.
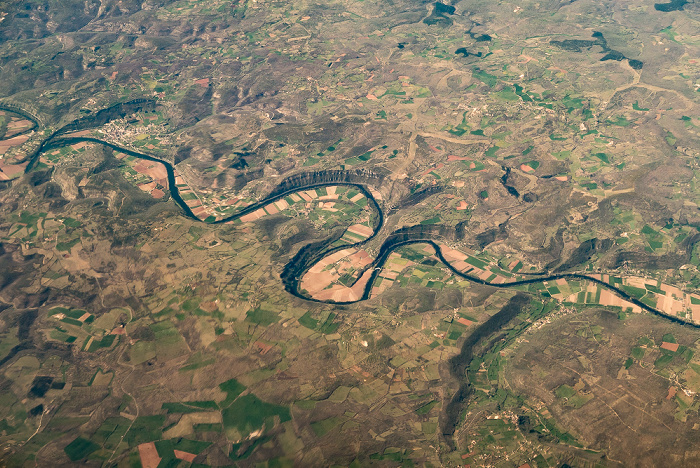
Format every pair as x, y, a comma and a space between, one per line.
673, 347
10, 142
149, 455
361, 230
10, 171
188, 457
340, 293
319, 280
17, 126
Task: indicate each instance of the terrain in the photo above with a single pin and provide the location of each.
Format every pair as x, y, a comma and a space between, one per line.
349, 234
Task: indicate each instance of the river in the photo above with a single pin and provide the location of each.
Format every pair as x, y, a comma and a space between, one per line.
312, 253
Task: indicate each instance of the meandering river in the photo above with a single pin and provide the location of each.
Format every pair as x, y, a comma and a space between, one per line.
312, 253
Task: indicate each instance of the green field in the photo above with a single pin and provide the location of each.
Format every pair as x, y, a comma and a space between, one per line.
248, 413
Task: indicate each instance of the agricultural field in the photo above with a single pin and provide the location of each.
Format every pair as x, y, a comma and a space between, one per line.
325, 207
595, 368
